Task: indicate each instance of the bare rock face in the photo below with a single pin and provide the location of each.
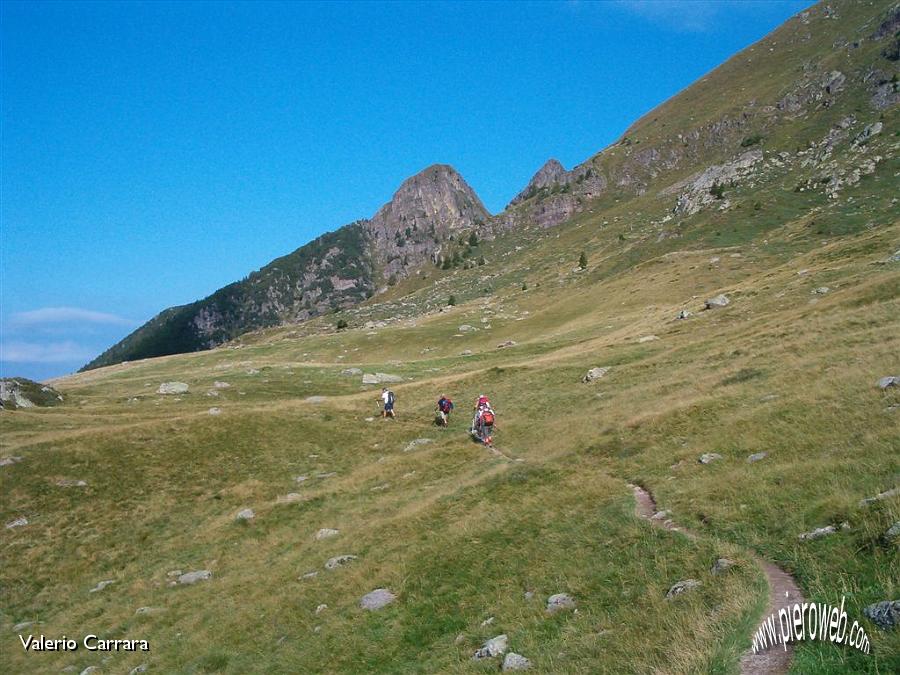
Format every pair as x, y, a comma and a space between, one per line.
700, 190
546, 177
427, 210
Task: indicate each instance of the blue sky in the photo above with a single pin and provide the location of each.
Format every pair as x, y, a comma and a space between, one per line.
152, 153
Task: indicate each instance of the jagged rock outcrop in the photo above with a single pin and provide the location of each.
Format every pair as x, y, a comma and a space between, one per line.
20, 392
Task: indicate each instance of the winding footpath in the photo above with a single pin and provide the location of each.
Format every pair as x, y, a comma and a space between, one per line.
783, 591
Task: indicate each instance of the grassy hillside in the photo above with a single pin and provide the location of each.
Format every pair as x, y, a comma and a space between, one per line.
461, 534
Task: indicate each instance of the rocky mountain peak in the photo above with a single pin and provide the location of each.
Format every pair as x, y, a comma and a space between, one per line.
548, 175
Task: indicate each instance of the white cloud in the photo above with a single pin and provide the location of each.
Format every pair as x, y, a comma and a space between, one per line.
686, 15
49, 315
51, 352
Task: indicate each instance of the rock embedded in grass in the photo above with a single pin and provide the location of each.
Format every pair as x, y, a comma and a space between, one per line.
881, 495
821, 290
513, 661
101, 585
709, 457
507, 343
145, 611
193, 577
22, 626
889, 381
594, 374
491, 648
380, 378
412, 445
718, 301
325, 533
18, 522
351, 372
221, 385
721, 565
893, 532
647, 338
559, 602
756, 456
884, 614
680, 587
466, 328
138, 669
245, 514
818, 533
6, 461
215, 411
172, 388
374, 600
339, 561
321, 608
69, 482
684, 314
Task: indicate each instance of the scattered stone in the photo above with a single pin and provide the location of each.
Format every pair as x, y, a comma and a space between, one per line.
416, 443
351, 372
718, 301
493, 647
681, 586
253, 371
559, 602
885, 614
245, 514
881, 495
290, 498
721, 565
594, 374
370, 419
661, 515
466, 328
194, 577
756, 456
6, 461
103, 584
174, 573
22, 626
513, 661
18, 522
325, 533
889, 381
768, 397
221, 385
818, 533
310, 575
90, 669
172, 388
301, 479
893, 532
714, 260
138, 669
466, 352
821, 290
380, 488
488, 621
316, 399
329, 474
144, 611
380, 597
68, 482
459, 639
507, 343
684, 314
321, 608
380, 378
709, 457
529, 595
647, 338
215, 411
339, 561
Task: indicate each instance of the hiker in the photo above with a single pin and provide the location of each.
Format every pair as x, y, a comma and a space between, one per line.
483, 422
444, 408
387, 396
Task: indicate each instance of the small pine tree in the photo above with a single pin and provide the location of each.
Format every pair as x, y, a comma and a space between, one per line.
342, 324
473, 239
524, 286
582, 261
482, 261
451, 300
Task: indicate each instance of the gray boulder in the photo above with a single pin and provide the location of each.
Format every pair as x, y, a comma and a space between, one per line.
18, 522
380, 378
885, 614
756, 456
193, 577
69, 482
887, 494
416, 443
594, 374
821, 290
101, 585
351, 372
339, 561
709, 457
513, 661
889, 381
6, 461
466, 328
507, 343
245, 514
172, 388
893, 532
721, 565
325, 533
684, 314
493, 647
559, 602
818, 533
718, 301
377, 599
681, 587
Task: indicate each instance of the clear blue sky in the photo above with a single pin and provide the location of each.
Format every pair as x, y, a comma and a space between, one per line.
152, 153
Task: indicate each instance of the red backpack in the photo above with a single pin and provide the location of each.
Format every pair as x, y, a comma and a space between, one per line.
487, 417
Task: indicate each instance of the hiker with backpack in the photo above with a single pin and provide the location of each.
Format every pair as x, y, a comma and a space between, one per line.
483, 422
388, 398
444, 408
